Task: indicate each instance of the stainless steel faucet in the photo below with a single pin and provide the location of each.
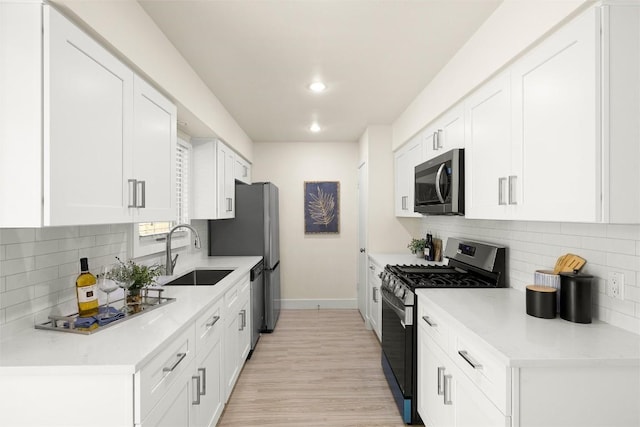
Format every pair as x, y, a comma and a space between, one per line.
170, 263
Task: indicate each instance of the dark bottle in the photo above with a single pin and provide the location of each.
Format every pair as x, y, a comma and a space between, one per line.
429, 249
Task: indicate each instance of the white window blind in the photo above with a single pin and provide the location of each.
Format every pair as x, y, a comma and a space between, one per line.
183, 162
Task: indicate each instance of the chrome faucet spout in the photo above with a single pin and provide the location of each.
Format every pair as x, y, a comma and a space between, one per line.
171, 262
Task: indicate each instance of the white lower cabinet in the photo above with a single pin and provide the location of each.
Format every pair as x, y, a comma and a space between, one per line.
464, 381
374, 306
237, 333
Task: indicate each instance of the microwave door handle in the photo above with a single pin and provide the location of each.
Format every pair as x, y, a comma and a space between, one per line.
438, 175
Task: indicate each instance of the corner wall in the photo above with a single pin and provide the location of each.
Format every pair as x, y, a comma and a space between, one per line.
315, 269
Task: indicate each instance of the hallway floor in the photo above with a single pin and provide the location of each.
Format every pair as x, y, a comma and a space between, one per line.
319, 368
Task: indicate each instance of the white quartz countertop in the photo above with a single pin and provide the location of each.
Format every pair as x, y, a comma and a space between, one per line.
498, 316
125, 347
393, 259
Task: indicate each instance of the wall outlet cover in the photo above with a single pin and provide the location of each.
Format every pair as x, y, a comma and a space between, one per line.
615, 285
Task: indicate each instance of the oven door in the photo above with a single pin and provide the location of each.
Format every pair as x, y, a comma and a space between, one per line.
397, 340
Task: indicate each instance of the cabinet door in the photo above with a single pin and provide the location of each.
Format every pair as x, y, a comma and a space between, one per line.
488, 150
205, 179
242, 170
556, 124
154, 154
432, 368
231, 345
88, 129
446, 134
244, 339
226, 183
208, 410
405, 162
375, 309
175, 407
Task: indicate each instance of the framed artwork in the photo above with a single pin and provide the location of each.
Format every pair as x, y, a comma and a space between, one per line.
321, 207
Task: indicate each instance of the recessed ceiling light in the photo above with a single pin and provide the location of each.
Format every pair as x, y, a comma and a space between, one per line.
317, 87
314, 128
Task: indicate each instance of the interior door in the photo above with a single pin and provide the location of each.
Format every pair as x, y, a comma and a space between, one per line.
362, 241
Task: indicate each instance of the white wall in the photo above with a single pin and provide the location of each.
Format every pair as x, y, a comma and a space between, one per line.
128, 28
385, 232
315, 269
537, 245
513, 27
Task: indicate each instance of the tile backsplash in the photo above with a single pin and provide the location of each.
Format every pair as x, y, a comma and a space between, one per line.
537, 245
39, 267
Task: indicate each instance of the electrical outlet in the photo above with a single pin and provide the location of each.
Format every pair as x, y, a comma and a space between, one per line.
615, 285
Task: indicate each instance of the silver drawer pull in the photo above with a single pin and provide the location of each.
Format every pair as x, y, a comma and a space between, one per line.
447, 390
203, 371
469, 359
430, 323
180, 356
213, 321
440, 380
197, 399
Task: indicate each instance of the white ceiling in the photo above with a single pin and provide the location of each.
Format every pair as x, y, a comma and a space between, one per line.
258, 56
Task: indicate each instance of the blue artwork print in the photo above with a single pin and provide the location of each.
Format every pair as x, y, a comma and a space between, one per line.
321, 207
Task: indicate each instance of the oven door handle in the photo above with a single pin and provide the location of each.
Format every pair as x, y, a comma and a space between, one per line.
399, 312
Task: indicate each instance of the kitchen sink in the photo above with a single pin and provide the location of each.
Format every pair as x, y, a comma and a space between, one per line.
200, 278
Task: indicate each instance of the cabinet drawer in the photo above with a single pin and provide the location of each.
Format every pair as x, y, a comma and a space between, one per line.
157, 376
231, 296
430, 321
209, 327
484, 368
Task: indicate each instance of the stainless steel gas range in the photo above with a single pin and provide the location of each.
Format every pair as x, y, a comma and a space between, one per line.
471, 265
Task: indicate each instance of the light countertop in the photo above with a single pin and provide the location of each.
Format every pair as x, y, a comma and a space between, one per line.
498, 316
125, 347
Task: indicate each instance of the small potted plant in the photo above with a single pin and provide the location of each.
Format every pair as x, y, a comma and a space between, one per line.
417, 247
134, 277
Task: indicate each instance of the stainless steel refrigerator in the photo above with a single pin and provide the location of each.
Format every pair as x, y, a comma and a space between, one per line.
254, 231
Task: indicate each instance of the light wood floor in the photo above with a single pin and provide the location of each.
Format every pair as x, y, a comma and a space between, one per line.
319, 368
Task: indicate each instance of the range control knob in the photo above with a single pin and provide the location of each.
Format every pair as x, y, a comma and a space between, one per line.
400, 292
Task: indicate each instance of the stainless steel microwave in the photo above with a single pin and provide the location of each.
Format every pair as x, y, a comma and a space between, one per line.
439, 185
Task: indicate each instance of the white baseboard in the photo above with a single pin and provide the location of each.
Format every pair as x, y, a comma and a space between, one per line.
314, 303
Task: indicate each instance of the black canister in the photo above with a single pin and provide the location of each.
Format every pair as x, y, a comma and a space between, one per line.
575, 297
541, 301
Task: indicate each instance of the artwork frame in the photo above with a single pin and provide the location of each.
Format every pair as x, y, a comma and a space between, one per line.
322, 207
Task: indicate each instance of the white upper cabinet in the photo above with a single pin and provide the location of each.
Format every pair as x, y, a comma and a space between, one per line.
226, 182
406, 159
446, 133
242, 170
555, 124
568, 150
214, 191
88, 100
154, 154
489, 151
94, 145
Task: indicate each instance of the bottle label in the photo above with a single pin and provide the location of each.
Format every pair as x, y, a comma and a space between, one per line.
87, 294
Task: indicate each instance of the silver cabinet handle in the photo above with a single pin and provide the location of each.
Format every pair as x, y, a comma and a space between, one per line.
143, 194
434, 139
133, 192
180, 356
229, 204
241, 327
439, 134
203, 371
501, 182
440, 380
404, 203
438, 175
213, 321
375, 294
196, 401
447, 390
465, 355
244, 319
429, 322
245, 171
512, 189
